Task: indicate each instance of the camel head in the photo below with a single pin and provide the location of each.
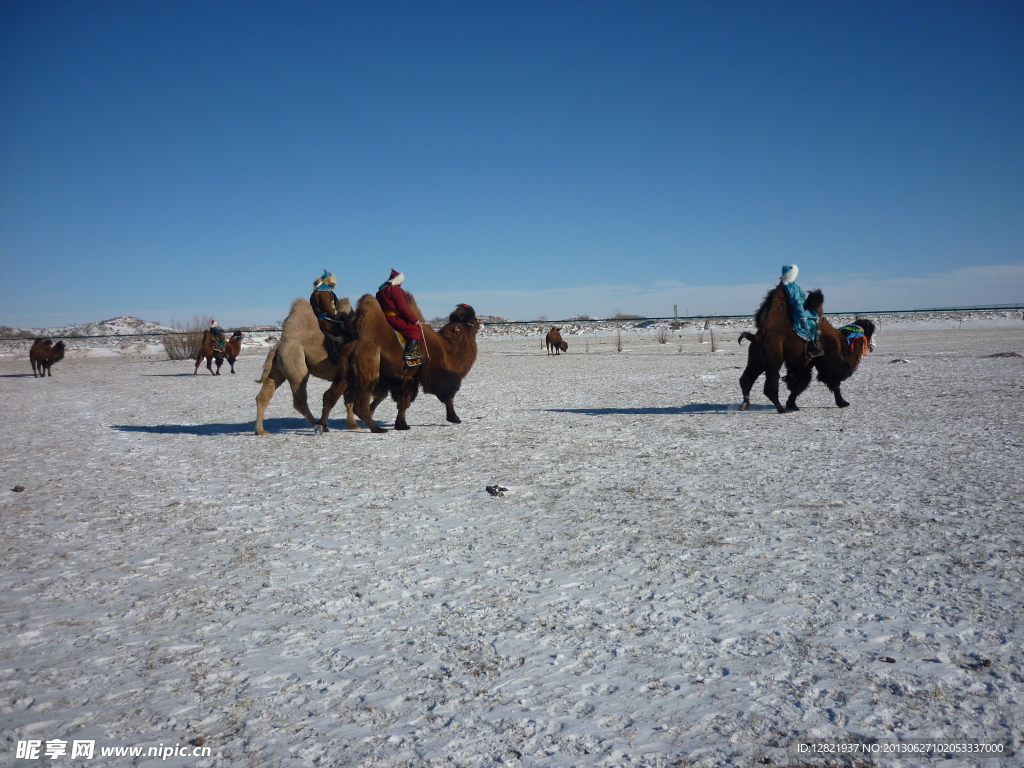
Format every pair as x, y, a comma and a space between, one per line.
465, 314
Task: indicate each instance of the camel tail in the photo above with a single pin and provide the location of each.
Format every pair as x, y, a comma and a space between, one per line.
267, 365
746, 335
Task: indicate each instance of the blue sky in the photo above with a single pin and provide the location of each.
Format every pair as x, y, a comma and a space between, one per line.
168, 159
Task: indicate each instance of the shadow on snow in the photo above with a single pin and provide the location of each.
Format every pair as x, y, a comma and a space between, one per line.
274, 426
671, 411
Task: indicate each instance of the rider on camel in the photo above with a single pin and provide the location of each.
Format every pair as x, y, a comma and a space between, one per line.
391, 297
217, 334
805, 323
326, 307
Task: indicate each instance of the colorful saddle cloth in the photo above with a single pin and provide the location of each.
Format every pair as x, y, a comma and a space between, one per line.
416, 361
853, 332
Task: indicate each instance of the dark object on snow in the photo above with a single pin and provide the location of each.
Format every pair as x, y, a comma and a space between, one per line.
899, 360
1005, 354
887, 659
45, 353
496, 490
776, 344
18, 488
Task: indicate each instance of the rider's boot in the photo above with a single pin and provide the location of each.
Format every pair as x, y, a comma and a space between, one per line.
412, 349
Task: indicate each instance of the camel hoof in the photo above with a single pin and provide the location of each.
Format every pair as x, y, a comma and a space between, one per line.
403, 425
378, 430
262, 432
318, 429
843, 404
791, 408
454, 419
744, 406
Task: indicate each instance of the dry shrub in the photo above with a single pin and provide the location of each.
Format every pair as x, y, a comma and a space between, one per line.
186, 341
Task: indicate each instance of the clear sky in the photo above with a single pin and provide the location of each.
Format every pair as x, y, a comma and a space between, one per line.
168, 159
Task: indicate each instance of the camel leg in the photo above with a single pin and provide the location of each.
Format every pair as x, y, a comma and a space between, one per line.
449, 407
199, 361
771, 387
754, 369
331, 397
350, 416
270, 384
362, 409
840, 402
797, 380
232, 364
403, 395
301, 402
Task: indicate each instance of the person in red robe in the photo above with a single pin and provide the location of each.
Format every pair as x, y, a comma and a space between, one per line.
391, 297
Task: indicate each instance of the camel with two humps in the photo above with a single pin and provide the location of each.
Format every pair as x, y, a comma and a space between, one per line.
43, 354
776, 344
213, 354
375, 366
302, 353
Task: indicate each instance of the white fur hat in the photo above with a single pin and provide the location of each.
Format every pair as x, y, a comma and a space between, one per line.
789, 273
396, 277
326, 277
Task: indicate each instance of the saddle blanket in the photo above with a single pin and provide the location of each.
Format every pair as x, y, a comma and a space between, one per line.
416, 361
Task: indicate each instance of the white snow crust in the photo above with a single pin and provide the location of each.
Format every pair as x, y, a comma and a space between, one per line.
667, 581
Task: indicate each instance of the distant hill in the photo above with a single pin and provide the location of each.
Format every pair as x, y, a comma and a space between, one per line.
117, 326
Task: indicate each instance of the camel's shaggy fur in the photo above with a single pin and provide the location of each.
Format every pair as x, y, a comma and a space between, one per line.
776, 344
553, 342
43, 354
375, 365
300, 354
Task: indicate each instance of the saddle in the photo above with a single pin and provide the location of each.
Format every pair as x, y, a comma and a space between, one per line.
333, 342
416, 361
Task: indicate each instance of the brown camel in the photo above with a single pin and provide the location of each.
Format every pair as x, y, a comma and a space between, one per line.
43, 355
375, 366
776, 344
300, 354
214, 354
554, 342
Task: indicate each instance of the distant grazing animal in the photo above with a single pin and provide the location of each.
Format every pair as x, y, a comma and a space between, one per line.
212, 353
302, 353
43, 355
776, 344
554, 342
375, 365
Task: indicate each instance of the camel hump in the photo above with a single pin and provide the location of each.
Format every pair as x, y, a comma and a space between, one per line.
815, 301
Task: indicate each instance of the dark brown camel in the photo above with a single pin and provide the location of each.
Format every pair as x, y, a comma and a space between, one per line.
776, 344
375, 366
213, 354
233, 349
554, 342
43, 355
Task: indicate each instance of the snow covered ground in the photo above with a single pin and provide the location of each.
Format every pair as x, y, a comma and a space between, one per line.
668, 581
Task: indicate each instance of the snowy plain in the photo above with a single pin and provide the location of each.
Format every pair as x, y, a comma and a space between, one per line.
667, 581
